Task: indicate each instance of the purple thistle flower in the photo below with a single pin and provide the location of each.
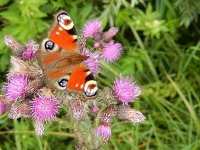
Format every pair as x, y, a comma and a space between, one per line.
28, 54
103, 131
12, 43
93, 61
44, 108
125, 90
39, 128
33, 45
2, 107
77, 109
30, 50
91, 28
111, 51
15, 87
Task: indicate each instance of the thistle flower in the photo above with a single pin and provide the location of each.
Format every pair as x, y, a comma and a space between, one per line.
125, 90
93, 61
30, 50
15, 87
77, 109
107, 116
39, 128
126, 113
32, 45
44, 108
91, 28
111, 51
108, 35
2, 107
103, 131
12, 43
28, 54
19, 110
14, 112
21, 67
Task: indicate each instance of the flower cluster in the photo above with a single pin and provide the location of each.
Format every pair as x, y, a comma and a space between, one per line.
106, 48
124, 89
23, 91
26, 95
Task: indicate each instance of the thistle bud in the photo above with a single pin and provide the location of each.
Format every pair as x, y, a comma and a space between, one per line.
127, 113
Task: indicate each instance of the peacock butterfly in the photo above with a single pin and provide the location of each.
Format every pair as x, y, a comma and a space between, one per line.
62, 64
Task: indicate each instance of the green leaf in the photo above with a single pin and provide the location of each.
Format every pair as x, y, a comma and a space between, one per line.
3, 2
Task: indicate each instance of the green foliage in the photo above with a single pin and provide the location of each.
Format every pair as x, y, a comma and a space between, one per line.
188, 11
161, 52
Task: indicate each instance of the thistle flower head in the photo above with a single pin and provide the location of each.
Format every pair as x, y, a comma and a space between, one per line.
77, 109
107, 116
12, 43
103, 131
108, 35
39, 128
44, 108
112, 51
19, 66
2, 107
126, 113
28, 54
19, 110
91, 27
15, 87
125, 90
93, 61
30, 50
33, 45
14, 112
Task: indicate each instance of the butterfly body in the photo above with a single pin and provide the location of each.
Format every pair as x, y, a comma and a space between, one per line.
62, 64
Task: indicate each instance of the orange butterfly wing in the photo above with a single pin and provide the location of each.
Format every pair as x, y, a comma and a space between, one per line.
63, 32
62, 65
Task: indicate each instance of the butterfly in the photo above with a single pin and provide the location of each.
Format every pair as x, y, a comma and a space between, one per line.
62, 64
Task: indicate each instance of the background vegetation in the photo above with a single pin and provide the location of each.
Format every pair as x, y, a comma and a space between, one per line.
161, 41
